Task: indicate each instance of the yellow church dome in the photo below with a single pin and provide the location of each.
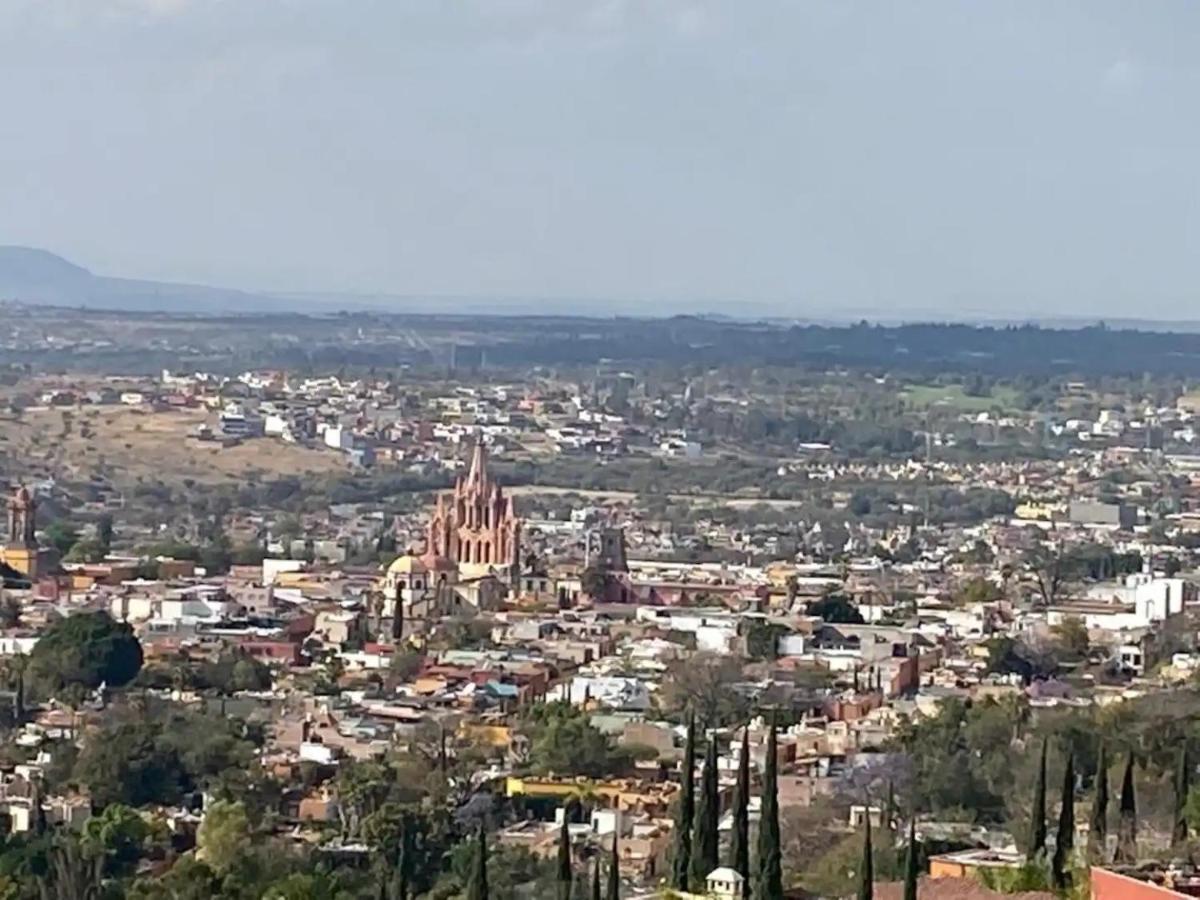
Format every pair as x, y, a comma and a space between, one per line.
407, 565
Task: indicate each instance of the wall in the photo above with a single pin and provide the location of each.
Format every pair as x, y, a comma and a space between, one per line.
1108, 885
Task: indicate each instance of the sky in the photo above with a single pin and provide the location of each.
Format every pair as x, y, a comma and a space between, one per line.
785, 157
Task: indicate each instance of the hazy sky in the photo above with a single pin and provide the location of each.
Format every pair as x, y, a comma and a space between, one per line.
1000, 156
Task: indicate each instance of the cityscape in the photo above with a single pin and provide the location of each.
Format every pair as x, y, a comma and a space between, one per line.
599, 450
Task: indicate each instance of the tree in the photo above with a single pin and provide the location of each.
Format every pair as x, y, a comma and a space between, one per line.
682, 859
705, 845
117, 834
703, 685
1183, 786
768, 883
73, 873
1064, 840
562, 740
84, 650
614, 873
1127, 821
223, 835
836, 608
1098, 823
104, 532
739, 840
910, 861
478, 888
1052, 569
62, 536
564, 875
866, 875
1037, 828
1071, 636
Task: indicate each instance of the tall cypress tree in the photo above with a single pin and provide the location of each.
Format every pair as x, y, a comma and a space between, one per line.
1127, 823
1098, 824
739, 842
768, 883
478, 888
1183, 785
706, 845
866, 880
403, 862
682, 862
564, 876
614, 873
910, 861
1037, 825
1064, 839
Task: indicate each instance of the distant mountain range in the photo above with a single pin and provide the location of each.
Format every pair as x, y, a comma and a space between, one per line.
33, 276
39, 277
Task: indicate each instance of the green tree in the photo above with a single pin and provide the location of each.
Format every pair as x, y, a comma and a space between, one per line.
82, 651
739, 840
62, 536
1183, 786
768, 882
682, 858
1037, 828
104, 532
118, 834
478, 887
836, 608
223, 835
1064, 840
1098, 823
1127, 821
866, 874
706, 842
563, 740
564, 873
1071, 636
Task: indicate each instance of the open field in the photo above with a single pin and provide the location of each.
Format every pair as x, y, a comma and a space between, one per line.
951, 396
127, 444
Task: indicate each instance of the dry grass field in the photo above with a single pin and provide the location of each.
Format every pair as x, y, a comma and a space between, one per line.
128, 444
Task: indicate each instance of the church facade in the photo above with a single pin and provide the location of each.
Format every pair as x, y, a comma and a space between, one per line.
475, 526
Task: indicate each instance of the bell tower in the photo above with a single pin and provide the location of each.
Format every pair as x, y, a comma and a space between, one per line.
21, 551
22, 520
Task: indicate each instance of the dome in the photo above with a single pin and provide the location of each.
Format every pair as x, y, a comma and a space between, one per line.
407, 565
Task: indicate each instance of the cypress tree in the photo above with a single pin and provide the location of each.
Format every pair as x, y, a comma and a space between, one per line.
866, 881
682, 863
1127, 822
402, 863
1064, 839
564, 876
768, 883
739, 843
1037, 827
478, 888
1098, 824
706, 845
614, 873
1183, 785
910, 861
596, 879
